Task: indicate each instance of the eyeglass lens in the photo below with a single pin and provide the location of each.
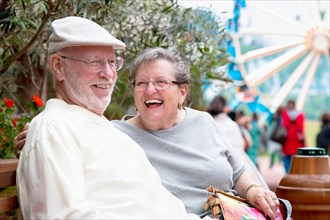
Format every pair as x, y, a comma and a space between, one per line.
98, 65
160, 84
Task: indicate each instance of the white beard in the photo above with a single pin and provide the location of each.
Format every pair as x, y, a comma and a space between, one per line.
83, 95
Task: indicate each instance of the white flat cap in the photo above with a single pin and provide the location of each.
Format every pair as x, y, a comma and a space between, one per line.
76, 31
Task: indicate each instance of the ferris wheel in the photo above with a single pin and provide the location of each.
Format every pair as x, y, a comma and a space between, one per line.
292, 33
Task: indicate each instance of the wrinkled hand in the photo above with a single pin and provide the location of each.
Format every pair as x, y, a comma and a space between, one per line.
264, 200
19, 140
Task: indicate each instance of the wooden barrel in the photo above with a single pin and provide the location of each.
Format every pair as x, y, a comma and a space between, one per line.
307, 185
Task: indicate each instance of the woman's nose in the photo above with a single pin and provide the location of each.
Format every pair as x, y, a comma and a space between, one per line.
151, 88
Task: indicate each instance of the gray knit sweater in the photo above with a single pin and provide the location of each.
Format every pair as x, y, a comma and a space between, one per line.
189, 157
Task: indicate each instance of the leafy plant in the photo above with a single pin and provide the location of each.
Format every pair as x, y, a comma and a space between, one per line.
11, 123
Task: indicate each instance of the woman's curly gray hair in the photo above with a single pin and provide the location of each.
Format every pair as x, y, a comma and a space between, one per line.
181, 69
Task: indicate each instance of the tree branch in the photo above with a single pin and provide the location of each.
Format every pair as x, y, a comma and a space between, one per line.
30, 43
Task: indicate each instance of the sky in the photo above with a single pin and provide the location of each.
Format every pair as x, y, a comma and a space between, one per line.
221, 6
285, 15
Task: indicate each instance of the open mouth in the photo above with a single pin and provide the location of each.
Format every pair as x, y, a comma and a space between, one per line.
153, 103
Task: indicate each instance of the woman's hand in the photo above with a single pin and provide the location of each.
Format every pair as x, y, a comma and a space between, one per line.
257, 196
263, 199
19, 140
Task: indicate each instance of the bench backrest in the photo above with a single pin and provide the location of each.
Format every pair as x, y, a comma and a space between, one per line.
7, 179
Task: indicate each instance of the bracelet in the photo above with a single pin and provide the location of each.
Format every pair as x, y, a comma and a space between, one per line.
252, 185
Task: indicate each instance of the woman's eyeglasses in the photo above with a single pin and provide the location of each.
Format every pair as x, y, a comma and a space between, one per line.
159, 84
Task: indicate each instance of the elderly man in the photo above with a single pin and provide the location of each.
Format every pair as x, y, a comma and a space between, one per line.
75, 164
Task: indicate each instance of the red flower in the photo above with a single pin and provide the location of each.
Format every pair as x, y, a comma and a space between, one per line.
9, 103
14, 122
38, 101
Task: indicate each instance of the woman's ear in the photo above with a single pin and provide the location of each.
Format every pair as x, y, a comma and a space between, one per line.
184, 89
56, 66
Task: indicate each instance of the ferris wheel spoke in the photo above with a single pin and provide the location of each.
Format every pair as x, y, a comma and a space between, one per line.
303, 11
260, 75
290, 82
326, 17
278, 16
318, 15
307, 82
236, 44
245, 31
266, 51
313, 17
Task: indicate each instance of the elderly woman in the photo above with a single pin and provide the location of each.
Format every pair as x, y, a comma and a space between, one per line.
184, 145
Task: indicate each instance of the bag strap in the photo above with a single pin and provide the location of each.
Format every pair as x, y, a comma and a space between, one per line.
214, 191
214, 202
288, 208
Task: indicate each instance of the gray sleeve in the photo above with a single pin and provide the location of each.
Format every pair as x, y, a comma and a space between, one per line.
236, 163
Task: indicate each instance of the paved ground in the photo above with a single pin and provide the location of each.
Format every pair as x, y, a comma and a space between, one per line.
272, 175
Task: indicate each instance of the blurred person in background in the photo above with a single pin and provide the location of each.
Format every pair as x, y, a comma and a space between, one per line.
275, 148
244, 123
323, 137
293, 120
231, 131
255, 135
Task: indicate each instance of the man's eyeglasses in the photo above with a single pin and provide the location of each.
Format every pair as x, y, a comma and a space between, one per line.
159, 84
99, 65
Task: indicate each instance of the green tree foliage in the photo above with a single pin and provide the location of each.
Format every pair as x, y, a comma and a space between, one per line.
197, 35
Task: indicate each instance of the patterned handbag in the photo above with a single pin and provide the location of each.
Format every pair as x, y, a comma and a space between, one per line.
225, 206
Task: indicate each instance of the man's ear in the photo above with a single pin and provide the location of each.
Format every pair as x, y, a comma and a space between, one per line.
56, 65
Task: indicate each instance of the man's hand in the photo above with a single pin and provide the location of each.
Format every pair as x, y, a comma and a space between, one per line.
19, 140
